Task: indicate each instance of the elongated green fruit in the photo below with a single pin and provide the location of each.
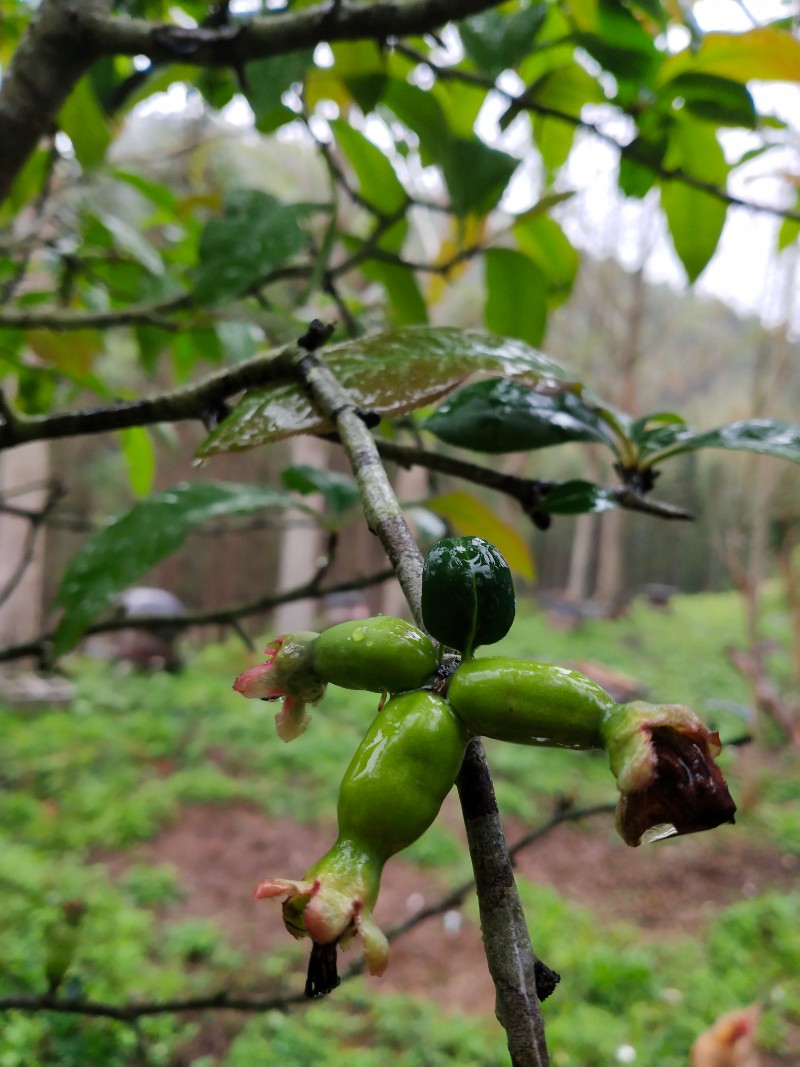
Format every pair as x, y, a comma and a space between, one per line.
390, 794
467, 594
530, 703
381, 654
402, 771
661, 755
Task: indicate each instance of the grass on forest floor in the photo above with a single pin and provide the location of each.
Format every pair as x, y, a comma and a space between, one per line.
119, 764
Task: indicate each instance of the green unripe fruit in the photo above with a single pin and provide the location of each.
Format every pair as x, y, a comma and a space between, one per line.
381, 654
530, 703
467, 594
404, 768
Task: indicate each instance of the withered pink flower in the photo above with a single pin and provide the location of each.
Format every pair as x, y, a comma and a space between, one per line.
286, 675
663, 757
333, 905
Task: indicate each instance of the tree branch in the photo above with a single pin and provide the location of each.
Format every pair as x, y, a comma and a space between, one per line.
66, 37
530, 493
204, 401
38, 646
57, 48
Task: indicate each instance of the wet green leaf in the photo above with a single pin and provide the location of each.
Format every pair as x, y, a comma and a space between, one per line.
339, 490
508, 416
119, 553
768, 437
577, 498
389, 373
257, 234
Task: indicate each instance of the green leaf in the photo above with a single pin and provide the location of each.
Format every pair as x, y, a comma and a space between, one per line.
389, 373
469, 516
140, 457
476, 175
339, 490
763, 54
497, 40
507, 416
577, 498
83, 122
119, 553
131, 240
269, 79
361, 65
695, 217
545, 244
516, 302
422, 113
378, 183
720, 100
407, 304
566, 90
767, 437
257, 234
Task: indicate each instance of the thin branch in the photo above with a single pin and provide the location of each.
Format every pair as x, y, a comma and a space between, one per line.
530, 493
225, 1001
206, 398
38, 646
36, 522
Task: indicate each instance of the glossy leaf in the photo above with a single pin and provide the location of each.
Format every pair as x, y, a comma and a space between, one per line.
695, 217
507, 416
577, 498
516, 301
256, 235
389, 373
118, 554
497, 40
469, 516
339, 490
768, 437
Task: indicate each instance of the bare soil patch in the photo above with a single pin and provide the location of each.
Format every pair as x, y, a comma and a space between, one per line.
672, 888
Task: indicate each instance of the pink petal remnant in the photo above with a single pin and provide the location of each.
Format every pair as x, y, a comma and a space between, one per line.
288, 675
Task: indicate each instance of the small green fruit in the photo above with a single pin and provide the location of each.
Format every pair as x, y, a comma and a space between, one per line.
467, 594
